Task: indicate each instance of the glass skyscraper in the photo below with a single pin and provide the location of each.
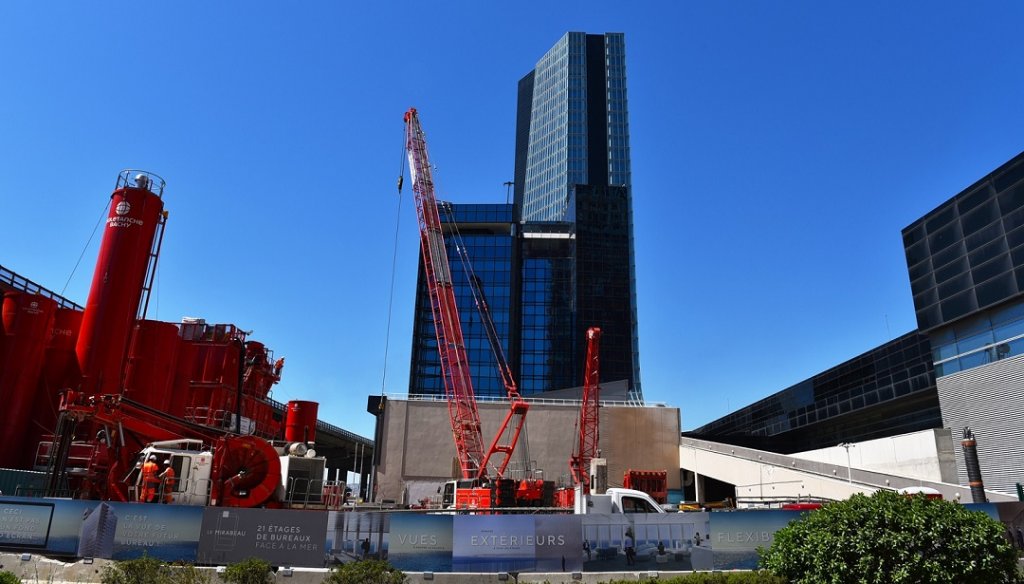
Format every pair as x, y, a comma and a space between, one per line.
560, 259
572, 173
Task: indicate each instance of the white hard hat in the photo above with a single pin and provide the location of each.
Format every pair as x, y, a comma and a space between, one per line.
168, 461
152, 457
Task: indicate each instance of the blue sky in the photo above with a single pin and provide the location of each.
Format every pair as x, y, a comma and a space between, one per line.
777, 150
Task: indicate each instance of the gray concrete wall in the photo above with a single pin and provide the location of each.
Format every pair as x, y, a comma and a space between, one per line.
418, 451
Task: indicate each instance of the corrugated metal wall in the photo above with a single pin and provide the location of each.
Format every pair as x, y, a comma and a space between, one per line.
989, 399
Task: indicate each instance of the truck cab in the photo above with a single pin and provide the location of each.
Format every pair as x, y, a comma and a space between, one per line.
616, 500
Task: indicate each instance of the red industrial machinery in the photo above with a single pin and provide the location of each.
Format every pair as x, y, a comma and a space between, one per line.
474, 462
652, 482
109, 386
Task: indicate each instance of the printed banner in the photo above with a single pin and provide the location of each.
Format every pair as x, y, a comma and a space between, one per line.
282, 537
96, 529
412, 542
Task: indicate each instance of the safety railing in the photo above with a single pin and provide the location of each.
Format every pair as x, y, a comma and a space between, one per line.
530, 399
23, 284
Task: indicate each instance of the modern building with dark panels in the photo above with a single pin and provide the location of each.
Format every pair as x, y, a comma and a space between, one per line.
572, 167
966, 262
886, 391
963, 367
566, 244
486, 233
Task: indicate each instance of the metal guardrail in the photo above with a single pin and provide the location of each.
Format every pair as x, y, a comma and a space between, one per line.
429, 397
25, 285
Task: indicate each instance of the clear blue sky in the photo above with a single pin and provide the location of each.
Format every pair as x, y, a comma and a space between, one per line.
778, 148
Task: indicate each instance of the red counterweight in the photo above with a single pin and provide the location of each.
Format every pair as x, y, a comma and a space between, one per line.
136, 211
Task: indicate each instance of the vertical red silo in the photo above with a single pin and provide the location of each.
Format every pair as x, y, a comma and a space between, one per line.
136, 210
151, 364
27, 319
60, 371
300, 423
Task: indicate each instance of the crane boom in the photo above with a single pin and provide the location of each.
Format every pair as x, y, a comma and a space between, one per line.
589, 422
462, 408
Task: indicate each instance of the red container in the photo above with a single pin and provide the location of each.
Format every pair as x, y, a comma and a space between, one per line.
300, 423
151, 364
27, 319
61, 366
117, 288
60, 371
184, 368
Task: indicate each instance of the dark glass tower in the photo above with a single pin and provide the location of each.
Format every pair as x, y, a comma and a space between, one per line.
560, 259
572, 173
487, 235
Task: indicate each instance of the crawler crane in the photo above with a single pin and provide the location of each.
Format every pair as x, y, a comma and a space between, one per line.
477, 489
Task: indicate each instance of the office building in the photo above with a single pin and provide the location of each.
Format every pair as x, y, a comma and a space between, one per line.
886, 391
486, 234
963, 367
966, 264
560, 258
572, 170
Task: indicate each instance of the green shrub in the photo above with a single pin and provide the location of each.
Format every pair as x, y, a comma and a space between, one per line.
251, 571
9, 578
144, 570
892, 538
366, 572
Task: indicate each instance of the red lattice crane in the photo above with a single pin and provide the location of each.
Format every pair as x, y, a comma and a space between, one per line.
462, 407
458, 385
589, 422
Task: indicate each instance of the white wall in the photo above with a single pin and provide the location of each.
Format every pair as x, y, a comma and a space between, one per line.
926, 455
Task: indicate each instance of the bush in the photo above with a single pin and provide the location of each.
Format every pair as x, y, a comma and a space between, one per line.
9, 578
366, 572
145, 570
251, 571
892, 538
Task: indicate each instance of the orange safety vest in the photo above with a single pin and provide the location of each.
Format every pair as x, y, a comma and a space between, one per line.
149, 481
169, 482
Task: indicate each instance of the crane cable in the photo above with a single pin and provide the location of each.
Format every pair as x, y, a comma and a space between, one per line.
394, 262
84, 249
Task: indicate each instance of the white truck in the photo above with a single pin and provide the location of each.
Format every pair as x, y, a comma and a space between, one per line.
616, 500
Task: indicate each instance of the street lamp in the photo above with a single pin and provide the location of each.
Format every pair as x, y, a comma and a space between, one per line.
849, 471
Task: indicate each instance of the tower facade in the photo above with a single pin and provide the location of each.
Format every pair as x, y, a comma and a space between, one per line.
572, 171
560, 258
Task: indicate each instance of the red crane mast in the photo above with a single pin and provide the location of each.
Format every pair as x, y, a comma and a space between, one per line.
462, 408
589, 422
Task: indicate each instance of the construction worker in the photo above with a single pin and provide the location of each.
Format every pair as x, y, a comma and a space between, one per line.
150, 482
167, 481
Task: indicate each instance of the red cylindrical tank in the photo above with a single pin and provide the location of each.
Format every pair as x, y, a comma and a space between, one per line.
27, 319
300, 423
151, 364
61, 366
60, 371
135, 212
